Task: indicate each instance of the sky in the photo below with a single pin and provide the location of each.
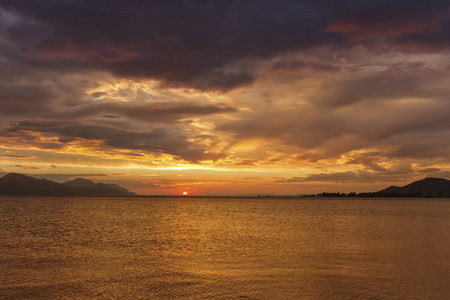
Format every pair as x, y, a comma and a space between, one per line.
226, 97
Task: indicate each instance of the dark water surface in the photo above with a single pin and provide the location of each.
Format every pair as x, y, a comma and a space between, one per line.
212, 248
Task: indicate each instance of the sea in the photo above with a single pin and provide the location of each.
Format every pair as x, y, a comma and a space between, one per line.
224, 248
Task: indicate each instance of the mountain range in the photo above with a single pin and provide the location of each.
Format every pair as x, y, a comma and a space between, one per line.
430, 187
23, 185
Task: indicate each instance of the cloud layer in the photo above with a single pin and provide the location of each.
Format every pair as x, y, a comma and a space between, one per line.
359, 88
196, 43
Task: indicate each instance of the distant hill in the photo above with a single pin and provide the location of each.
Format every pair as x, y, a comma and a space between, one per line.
86, 187
433, 187
22, 185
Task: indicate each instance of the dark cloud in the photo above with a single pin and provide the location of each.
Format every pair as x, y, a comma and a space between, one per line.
297, 65
13, 138
246, 162
22, 91
30, 92
408, 26
98, 94
401, 84
16, 156
158, 140
148, 112
65, 177
358, 176
430, 170
194, 43
220, 80
30, 167
187, 43
155, 184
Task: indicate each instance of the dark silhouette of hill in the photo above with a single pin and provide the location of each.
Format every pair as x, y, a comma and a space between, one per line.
19, 184
84, 187
22, 185
433, 187
80, 182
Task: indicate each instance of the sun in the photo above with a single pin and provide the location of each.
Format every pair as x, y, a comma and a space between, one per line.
185, 193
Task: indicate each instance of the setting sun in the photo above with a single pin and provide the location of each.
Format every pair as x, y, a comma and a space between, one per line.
185, 193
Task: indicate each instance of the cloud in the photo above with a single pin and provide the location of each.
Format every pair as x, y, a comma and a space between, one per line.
158, 140
297, 65
385, 26
166, 52
358, 176
221, 81
382, 86
16, 156
155, 184
366, 26
317, 82
188, 44
65, 177
154, 112
33, 99
246, 162
202, 45
30, 92
399, 172
30, 167
401, 110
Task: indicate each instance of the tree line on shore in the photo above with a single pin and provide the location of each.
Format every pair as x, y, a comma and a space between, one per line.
380, 195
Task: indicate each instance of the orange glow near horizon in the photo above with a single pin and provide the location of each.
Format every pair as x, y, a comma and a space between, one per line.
185, 193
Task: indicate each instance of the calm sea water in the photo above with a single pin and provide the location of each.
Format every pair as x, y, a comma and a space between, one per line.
211, 248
